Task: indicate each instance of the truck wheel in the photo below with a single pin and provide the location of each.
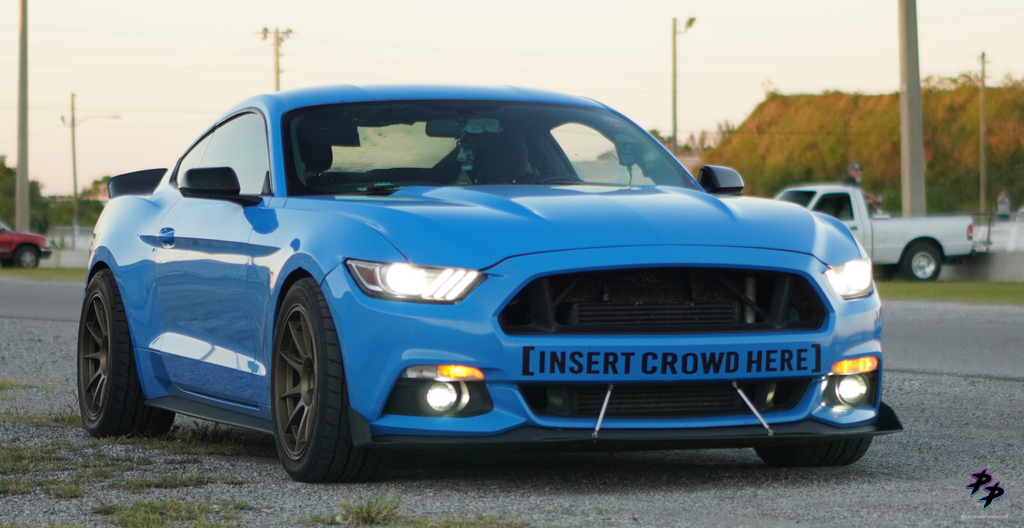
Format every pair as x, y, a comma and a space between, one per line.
26, 257
831, 453
310, 405
109, 393
921, 262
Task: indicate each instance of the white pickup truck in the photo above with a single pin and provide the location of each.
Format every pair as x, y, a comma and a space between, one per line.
919, 246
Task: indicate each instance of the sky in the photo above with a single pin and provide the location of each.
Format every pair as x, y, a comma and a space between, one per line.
169, 69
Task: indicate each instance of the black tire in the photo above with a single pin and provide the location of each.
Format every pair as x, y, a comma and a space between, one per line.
26, 257
830, 453
309, 397
921, 262
110, 396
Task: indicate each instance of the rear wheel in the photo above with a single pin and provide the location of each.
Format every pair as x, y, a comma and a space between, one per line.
109, 393
26, 257
921, 262
310, 399
831, 453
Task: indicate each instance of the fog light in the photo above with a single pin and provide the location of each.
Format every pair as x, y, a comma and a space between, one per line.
851, 390
441, 396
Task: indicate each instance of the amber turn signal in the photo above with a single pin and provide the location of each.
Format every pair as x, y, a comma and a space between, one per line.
444, 372
459, 372
855, 366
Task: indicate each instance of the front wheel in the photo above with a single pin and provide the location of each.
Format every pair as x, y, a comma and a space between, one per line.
820, 454
921, 262
26, 257
309, 396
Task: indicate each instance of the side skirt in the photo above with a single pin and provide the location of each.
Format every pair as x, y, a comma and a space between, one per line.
211, 413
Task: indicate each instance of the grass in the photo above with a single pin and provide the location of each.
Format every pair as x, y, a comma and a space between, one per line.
446, 521
174, 480
67, 417
375, 510
967, 292
382, 509
7, 384
156, 514
19, 525
25, 469
204, 439
11, 389
46, 274
470, 521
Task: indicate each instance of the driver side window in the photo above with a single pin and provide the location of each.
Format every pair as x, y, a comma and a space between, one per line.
241, 144
837, 205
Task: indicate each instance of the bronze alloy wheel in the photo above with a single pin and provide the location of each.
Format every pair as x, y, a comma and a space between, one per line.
308, 395
295, 370
94, 356
110, 396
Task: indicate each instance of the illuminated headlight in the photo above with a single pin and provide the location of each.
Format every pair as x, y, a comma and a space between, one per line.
407, 282
851, 280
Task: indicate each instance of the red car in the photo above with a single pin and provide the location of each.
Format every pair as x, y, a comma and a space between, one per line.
23, 249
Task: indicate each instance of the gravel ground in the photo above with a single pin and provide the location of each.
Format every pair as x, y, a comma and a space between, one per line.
954, 425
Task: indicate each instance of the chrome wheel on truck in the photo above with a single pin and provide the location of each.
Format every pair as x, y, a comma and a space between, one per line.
921, 262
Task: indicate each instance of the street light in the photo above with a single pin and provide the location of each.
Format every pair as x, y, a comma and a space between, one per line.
689, 24
74, 165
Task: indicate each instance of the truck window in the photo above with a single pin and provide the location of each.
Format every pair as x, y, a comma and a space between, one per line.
801, 198
836, 205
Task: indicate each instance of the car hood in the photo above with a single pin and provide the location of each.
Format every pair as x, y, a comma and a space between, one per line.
477, 227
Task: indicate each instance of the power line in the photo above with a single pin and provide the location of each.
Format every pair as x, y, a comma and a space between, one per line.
123, 110
122, 68
157, 74
107, 50
769, 25
130, 34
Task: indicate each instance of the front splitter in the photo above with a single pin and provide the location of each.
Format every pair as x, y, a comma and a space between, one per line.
529, 438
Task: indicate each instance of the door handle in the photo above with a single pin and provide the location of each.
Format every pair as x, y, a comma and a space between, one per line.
853, 228
166, 237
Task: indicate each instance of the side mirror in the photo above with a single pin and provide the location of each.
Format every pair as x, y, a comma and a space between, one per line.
720, 180
214, 183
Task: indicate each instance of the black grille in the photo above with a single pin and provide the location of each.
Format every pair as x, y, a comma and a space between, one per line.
676, 400
663, 300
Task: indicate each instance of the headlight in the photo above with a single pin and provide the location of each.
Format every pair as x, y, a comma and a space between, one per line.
851, 280
400, 281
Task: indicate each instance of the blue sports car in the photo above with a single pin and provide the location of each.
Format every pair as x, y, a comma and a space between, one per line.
359, 270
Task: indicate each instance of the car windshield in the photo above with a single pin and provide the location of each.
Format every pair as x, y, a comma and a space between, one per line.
379, 148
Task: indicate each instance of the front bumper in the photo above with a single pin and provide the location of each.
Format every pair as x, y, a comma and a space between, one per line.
381, 338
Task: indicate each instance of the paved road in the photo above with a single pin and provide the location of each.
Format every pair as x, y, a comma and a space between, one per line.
955, 377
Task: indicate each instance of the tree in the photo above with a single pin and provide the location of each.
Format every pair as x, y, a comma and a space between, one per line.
38, 207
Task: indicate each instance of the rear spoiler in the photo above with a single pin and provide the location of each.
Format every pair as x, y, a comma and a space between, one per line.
138, 183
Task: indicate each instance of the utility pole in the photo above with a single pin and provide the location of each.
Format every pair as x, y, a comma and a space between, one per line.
981, 138
74, 166
21, 218
675, 32
279, 37
911, 126
74, 177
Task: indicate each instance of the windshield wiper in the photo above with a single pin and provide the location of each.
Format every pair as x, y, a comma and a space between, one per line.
382, 189
560, 179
